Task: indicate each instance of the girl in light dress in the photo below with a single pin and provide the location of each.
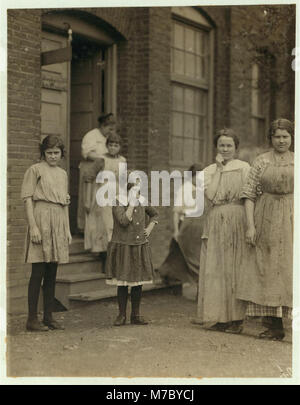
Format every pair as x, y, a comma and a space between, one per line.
223, 239
45, 194
99, 221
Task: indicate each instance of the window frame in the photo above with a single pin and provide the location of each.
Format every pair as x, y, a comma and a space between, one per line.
185, 82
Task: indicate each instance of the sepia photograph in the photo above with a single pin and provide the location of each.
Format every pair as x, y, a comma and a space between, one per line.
148, 193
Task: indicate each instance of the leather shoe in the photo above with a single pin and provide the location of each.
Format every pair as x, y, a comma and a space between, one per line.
120, 320
272, 334
35, 325
138, 320
53, 325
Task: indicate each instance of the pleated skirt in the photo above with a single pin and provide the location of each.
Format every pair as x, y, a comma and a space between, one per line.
128, 264
52, 223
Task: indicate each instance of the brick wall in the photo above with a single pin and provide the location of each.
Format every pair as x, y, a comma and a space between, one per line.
159, 118
23, 122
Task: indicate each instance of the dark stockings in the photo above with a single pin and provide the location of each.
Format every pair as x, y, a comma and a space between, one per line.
136, 296
122, 294
274, 323
45, 272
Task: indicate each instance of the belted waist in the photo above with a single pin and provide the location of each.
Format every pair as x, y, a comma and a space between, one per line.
277, 195
49, 203
225, 202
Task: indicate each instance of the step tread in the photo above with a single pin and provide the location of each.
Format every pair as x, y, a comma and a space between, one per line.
111, 291
83, 257
75, 278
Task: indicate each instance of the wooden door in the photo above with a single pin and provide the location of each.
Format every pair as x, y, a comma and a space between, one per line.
54, 94
86, 105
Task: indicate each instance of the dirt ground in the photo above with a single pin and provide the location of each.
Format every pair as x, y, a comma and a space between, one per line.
170, 346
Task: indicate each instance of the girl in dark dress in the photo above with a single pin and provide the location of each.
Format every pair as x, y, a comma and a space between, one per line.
129, 261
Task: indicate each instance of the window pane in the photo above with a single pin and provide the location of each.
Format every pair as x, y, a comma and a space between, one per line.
204, 44
188, 126
197, 102
204, 127
204, 101
178, 60
189, 40
198, 68
197, 127
202, 153
190, 65
188, 150
178, 36
177, 121
196, 151
199, 39
177, 148
189, 100
203, 68
177, 98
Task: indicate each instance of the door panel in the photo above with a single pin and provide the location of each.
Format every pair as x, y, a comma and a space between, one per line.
54, 94
86, 91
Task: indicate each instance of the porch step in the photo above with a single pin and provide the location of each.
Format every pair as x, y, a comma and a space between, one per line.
111, 291
80, 264
77, 245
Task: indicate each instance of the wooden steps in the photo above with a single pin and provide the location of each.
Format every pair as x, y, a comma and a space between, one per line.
82, 280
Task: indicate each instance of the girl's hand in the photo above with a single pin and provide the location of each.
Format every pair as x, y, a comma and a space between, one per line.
148, 230
68, 199
69, 238
35, 235
251, 236
219, 160
133, 196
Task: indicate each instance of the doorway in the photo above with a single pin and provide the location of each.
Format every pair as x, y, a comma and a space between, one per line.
75, 93
87, 103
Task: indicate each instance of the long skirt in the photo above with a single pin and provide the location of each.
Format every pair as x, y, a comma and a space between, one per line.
52, 223
222, 249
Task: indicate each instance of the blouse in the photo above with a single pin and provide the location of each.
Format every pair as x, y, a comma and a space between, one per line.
45, 183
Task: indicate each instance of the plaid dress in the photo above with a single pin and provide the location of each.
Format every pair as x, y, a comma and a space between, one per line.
267, 268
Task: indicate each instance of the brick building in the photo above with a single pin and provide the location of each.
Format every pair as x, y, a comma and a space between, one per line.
172, 76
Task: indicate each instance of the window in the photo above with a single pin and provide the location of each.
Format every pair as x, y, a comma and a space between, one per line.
258, 106
191, 82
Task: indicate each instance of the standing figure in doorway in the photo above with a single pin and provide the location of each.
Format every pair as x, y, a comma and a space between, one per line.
93, 146
99, 220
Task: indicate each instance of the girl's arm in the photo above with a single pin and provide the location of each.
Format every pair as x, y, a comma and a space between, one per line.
153, 214
66, 210
34, 232
123, 214
251, 231
87, 197
212, 188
